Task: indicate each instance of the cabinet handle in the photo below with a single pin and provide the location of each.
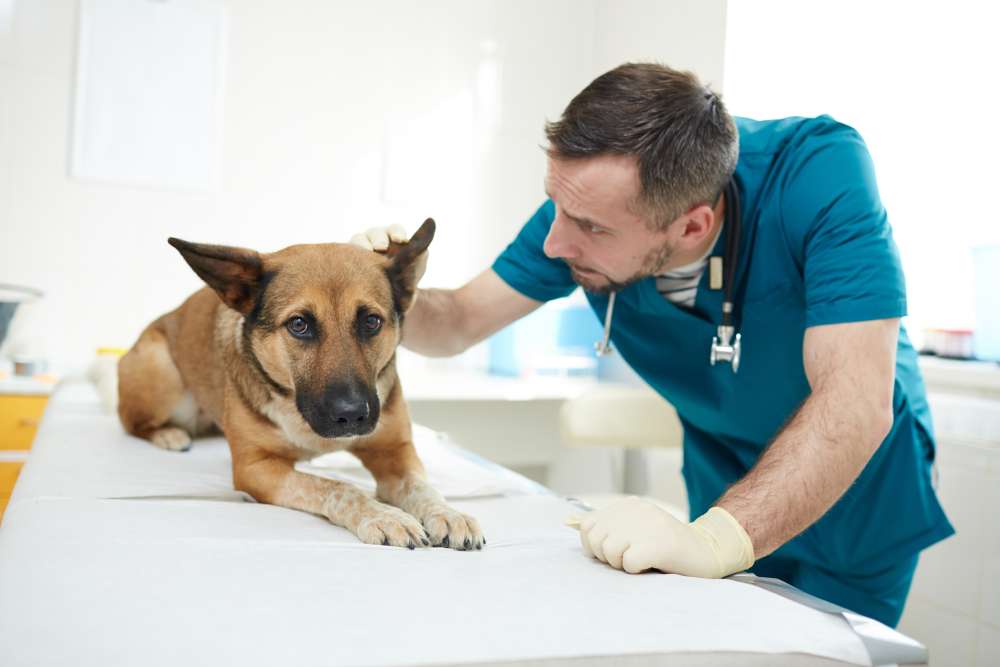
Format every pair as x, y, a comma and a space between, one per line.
28, 422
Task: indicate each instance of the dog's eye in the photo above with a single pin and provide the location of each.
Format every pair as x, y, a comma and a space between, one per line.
299, 327
373, 323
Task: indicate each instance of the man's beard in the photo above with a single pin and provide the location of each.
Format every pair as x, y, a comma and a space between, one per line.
651, 264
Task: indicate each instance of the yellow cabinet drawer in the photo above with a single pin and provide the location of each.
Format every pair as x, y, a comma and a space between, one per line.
9, 471
19, 418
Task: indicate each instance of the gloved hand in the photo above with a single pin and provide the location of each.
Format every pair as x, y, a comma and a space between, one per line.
637, 535
378, 238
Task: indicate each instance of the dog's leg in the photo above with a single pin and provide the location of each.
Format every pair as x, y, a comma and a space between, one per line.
274, 480
260, 470
401, 482
149, 388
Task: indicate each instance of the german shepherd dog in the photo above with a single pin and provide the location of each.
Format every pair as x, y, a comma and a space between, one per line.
292, 355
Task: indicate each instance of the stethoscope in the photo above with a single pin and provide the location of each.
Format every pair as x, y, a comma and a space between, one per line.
726, 345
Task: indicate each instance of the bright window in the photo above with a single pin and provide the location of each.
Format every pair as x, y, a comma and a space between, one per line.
919, 81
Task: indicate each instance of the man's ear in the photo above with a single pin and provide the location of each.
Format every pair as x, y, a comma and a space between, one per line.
696, 224
234, 273
407, 264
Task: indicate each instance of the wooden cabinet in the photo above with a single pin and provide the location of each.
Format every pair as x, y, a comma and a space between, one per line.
19, 418
21, 409
9, 470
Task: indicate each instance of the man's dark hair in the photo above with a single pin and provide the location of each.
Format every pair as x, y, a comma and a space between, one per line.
684, 140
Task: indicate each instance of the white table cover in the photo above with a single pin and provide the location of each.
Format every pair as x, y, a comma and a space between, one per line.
113, 552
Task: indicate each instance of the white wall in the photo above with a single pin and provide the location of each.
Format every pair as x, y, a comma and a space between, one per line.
338, 116
919, 81
681, 33
954, 604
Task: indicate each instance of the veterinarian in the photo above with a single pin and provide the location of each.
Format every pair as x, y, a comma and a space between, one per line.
807, 440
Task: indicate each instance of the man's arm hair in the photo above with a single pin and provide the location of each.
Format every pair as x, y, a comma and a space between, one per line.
826, 444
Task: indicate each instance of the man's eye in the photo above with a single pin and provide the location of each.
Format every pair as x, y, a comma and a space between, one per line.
299, 327
373, 323
593, 230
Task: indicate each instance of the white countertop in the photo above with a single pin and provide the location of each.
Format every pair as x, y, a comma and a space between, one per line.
954, 375
40, 385
459, 385
979, 378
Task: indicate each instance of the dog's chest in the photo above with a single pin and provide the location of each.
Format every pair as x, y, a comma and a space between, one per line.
298, 433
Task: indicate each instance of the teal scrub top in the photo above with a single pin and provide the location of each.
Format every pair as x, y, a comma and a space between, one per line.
816, 248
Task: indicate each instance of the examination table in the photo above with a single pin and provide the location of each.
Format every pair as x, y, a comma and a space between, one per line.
114, 552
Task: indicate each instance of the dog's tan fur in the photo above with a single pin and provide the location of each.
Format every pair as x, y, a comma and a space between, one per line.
227, 358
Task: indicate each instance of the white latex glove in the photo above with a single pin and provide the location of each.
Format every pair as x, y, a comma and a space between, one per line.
635, 535
377, 238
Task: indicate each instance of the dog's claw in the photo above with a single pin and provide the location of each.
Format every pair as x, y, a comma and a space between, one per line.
449, 528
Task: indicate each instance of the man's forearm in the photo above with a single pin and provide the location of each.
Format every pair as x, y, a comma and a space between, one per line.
443, 322
807, 468
433, 326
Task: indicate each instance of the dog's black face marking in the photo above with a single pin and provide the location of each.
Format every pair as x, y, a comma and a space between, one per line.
258, 319
258, 316
341, 410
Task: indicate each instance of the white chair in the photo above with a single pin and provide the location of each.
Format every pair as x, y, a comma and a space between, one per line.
618, 425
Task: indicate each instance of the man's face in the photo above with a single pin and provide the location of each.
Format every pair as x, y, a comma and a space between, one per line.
606, 245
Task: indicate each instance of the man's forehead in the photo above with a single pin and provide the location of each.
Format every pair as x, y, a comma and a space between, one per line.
593, 184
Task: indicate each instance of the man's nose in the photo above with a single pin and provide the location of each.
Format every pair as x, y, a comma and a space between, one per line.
559, 243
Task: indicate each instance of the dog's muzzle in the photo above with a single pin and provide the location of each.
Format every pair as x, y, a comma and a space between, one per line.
343, 410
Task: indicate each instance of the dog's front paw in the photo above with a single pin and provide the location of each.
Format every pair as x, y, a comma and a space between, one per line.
171, 438
450, 528
392, 527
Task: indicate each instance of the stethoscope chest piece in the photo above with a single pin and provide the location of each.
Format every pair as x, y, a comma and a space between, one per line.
723, 351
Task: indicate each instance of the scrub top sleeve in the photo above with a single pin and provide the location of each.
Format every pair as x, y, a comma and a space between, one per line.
524, 266
839, 233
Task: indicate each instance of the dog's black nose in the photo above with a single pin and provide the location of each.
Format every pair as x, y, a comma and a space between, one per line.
350, 409
343, 409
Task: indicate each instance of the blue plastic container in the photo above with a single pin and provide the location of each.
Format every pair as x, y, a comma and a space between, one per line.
558, 338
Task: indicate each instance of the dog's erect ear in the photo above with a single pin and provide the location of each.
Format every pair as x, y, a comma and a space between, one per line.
234, 273
409, 260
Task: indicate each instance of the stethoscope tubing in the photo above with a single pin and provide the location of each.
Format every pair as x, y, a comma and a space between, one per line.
733, 224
